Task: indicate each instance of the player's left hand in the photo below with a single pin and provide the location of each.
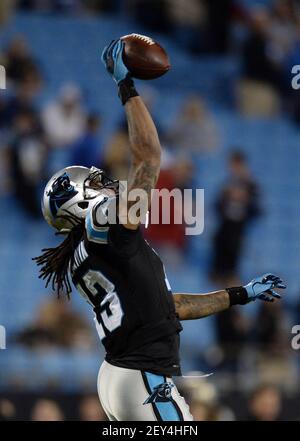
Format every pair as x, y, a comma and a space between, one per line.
112, 58
263, 288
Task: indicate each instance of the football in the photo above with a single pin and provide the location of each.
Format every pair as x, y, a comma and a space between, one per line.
144, 57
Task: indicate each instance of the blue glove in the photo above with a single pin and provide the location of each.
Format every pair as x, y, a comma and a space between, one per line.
263, 288
112, 59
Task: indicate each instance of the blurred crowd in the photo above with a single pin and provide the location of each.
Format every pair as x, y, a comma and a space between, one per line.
36, 141
52, 408
264, 403
266, 35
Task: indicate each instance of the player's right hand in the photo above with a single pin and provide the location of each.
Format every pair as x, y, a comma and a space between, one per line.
263, 288
113, 61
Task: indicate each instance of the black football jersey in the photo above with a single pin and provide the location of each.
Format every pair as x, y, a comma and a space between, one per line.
124, 280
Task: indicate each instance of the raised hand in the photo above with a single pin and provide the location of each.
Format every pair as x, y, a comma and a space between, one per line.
263, 288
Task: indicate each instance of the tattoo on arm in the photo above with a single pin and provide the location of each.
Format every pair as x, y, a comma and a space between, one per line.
143, 137
143, 176
191, 306
145, 152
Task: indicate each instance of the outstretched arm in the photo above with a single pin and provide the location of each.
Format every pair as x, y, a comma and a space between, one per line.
145, 162
144, 147
144, 143
196, 306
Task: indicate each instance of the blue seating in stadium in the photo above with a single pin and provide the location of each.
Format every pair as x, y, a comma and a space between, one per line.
69, 50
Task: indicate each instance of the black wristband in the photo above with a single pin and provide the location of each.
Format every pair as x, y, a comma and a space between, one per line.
127, 90
237, 295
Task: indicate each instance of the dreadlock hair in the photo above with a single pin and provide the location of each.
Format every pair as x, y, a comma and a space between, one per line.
56, 262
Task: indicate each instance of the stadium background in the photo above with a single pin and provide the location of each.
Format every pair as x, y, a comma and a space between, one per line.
228, 119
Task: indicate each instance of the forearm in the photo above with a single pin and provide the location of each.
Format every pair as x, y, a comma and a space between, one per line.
146, 153
143, 137
195, 306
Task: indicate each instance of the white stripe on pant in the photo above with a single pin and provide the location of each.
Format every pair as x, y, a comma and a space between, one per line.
122, 393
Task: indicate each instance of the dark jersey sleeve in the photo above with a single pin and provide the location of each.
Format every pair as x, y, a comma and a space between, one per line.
124, 241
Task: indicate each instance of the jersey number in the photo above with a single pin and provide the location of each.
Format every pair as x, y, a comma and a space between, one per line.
111, 314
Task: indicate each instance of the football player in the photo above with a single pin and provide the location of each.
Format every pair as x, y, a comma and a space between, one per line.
137, 316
